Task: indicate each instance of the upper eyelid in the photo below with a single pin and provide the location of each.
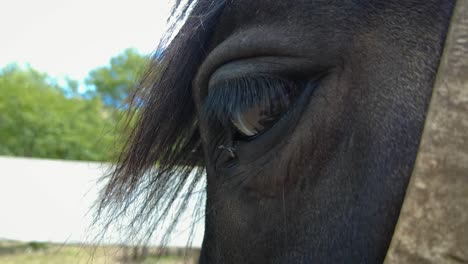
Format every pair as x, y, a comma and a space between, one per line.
234, 94
264, 65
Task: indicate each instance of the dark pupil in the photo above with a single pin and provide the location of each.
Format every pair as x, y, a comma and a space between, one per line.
261, 116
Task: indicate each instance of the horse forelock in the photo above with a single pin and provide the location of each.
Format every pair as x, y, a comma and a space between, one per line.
161, 160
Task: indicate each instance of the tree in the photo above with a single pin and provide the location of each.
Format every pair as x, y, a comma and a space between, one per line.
114, 81
37, 119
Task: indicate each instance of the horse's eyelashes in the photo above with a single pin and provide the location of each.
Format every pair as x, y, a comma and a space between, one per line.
250, 105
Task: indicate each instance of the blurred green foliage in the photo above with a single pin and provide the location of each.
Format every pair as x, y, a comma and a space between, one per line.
114, 81
36, 246
39, 118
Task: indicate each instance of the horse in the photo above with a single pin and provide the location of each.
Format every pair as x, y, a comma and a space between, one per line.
302, 118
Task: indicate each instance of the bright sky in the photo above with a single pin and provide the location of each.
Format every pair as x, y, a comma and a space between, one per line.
71, 37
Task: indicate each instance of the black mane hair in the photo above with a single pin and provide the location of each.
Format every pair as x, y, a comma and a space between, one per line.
162, 160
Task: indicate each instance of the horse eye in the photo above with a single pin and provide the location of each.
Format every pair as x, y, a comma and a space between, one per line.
258, 118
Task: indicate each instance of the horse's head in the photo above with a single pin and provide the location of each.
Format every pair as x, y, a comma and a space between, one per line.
306, 115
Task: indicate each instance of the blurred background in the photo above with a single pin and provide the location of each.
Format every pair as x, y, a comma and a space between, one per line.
66, 67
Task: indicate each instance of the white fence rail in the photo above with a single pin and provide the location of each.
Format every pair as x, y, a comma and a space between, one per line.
50, 200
